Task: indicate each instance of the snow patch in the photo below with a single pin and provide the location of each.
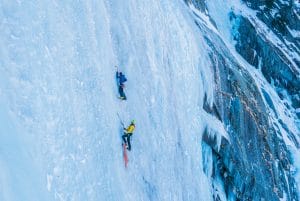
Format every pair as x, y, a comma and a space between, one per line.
49, 182
294, 33
203, 18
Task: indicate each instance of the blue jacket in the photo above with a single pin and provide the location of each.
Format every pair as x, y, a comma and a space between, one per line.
121, 78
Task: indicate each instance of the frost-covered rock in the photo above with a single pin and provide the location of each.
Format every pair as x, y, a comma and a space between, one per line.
258, 161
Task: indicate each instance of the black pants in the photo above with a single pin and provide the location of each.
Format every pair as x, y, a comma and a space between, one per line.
126, 139
121, 92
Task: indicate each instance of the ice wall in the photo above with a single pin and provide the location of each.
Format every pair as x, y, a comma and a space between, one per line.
59, 91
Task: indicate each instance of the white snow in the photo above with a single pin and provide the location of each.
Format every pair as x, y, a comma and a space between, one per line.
203, 17
296, 3
294, 33
49, 182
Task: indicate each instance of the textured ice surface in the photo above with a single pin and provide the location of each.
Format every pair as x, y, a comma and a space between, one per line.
58, 89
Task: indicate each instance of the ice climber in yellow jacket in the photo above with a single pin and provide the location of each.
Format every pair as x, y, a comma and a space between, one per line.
127, 134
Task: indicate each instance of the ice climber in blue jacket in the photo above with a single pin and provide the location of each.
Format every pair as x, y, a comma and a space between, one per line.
121, 79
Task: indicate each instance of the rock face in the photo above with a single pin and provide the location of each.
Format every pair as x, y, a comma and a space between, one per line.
276, 62
255, 163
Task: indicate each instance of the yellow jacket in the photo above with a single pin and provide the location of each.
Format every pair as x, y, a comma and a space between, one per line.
130, 128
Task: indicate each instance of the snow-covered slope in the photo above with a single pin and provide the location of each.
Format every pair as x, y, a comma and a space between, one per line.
200, 108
